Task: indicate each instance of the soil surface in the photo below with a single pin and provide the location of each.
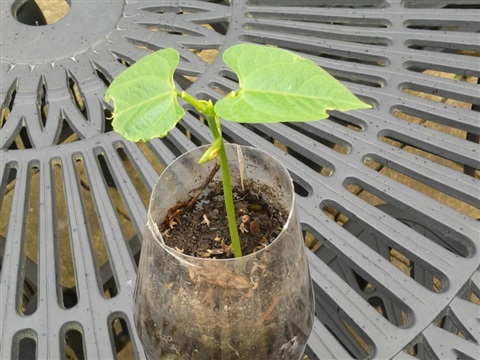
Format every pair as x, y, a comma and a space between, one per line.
202, 229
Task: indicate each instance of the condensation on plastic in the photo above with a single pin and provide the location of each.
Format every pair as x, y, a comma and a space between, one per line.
257, 306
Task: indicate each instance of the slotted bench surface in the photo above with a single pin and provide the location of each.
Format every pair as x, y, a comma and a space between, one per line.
391, 194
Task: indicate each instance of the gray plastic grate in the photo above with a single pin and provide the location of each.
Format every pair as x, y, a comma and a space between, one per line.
390, 193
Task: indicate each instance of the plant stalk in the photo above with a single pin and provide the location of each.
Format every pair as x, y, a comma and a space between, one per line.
227, 193
207, 109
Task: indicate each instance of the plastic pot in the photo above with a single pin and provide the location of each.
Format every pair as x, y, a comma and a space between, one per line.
259, 306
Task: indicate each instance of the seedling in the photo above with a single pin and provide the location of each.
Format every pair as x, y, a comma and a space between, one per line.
275, 85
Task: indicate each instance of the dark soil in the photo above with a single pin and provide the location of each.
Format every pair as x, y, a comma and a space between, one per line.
202, 230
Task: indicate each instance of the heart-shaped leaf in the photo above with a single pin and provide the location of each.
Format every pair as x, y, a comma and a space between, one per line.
279, 86
145, 99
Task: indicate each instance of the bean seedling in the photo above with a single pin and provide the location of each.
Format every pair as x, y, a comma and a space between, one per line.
275, 85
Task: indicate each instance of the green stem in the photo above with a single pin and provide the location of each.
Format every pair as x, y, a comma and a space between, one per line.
208, 110
227, 193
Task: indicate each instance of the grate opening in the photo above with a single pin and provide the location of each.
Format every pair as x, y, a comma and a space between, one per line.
123, 59
426, 4
21, 141
25, 345
364, 285
184, 81
107, 117
170, 145
355, 341
420, 152
415, 183
122, 213
102, 74
426, 120
188, 126
310, 241
42, 102
388, 249
320, 18
98, 247
300, 189
412, 350
317, 132
402, 263
169, 29
7, 107
347, 121
207, 55
358, 79
65, 269
451, 323
26, 304
77, 96
349, 4
73, 346
120, 334
7, 188
133, 173
449, 239
188, 134
360, 336
222, 88
140, 44
472, 292
457, 74
442, 47
327, 52
156, 162
438, 95
279, 140
67, 134
301, 28
438, 25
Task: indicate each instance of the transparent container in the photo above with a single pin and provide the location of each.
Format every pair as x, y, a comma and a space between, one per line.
259, 306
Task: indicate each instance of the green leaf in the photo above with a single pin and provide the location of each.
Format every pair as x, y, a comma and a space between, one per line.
145, 99
277, 85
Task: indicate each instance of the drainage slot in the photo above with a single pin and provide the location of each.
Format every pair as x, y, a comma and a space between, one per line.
355, 340
98, 247
77, 96
102, 74
415, 182
7, 107
135, 176
73, 346
317, 132
66, 278
7, 189
425, 226
444, 125
300, 189
429, 92
42, 102
320, 50
122, 213
25, 345
120, 333
392, 140
280, 135
26, 303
